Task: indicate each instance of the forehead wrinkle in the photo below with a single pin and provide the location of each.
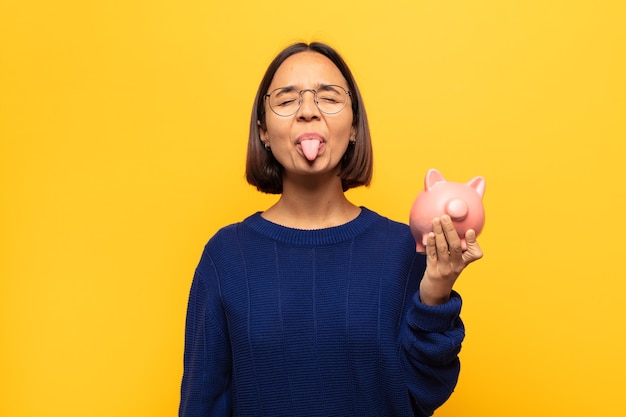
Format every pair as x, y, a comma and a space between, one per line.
317, 86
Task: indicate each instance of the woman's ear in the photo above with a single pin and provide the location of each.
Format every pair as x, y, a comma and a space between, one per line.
262, 133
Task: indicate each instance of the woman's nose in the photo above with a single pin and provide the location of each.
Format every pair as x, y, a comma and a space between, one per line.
308, 108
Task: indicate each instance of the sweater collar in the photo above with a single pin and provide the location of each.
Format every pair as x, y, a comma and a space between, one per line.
326, 236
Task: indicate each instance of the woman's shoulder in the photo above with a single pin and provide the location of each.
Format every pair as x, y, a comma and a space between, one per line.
230, 232
394, 226
223, 245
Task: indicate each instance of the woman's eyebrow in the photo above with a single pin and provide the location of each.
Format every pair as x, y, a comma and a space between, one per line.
286, 88
328, 87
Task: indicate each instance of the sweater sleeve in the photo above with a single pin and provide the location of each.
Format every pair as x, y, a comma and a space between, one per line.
430, 344
206, 383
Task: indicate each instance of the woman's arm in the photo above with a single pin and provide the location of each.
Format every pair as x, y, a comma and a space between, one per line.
206, 384
430, 343
432, 337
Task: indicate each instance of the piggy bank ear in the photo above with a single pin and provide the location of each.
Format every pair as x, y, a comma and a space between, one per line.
433, 177
478, 184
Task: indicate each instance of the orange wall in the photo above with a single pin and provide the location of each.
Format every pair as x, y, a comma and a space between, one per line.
122, 138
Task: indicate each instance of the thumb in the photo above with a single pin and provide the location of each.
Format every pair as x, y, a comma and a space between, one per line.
473, 252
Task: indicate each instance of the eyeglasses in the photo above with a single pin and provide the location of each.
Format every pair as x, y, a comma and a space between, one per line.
329, 99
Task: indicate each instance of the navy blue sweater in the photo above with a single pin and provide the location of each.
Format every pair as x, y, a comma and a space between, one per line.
289, 322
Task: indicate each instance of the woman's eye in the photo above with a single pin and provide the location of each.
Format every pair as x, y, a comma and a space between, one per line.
287, 102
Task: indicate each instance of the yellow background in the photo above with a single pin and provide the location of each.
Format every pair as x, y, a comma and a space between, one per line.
123, 128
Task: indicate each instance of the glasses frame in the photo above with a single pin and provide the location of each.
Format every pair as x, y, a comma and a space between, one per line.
300, 99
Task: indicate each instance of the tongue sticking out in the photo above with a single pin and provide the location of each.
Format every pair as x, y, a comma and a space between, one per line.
310, 148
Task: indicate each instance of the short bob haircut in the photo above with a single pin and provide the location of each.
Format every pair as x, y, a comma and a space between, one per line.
265, 173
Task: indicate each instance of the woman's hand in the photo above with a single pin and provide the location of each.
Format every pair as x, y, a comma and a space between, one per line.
445, 260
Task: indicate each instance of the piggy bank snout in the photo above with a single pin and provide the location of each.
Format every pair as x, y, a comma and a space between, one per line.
457, 209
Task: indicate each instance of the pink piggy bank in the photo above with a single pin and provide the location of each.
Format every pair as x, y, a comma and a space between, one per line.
462, 202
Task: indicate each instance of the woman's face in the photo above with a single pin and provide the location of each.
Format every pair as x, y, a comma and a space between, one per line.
308, 142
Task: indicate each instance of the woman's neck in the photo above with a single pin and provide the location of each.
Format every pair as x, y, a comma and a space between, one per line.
314, 206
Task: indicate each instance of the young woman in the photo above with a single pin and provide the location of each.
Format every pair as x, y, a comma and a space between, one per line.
317, 306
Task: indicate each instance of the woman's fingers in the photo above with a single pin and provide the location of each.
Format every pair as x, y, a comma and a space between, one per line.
444, 246
440, 240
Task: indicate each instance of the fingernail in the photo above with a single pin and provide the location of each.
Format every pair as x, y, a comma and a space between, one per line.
445, 219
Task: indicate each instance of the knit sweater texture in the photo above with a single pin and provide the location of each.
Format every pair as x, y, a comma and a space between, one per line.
328, 322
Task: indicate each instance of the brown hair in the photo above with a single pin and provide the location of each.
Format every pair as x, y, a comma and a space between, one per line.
263, 170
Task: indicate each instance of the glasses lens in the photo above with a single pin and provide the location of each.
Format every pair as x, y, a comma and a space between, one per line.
330, 99
285, 101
